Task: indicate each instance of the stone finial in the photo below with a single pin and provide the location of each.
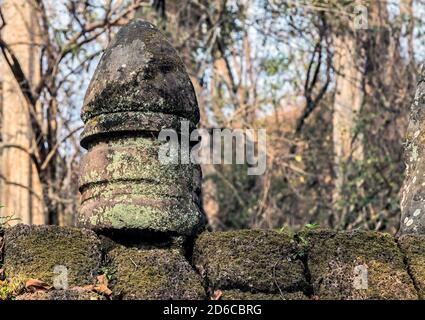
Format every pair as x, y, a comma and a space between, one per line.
139, 88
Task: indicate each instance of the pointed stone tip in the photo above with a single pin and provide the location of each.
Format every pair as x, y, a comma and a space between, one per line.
141, 72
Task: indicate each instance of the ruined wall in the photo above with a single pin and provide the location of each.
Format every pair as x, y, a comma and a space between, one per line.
246, 264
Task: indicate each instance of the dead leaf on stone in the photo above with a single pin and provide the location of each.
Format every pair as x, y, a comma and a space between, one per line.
88, 287
102, 286
101, 279
216, 295
102, 289
35, 285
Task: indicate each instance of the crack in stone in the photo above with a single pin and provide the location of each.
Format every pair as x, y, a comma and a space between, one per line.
408, 270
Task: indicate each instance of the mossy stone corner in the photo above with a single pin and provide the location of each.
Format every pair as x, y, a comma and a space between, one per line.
139, 88
35, 251
357, 265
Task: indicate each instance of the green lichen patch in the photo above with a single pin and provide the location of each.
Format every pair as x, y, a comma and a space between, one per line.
156, 274
250, 260
413, 247
124, 186
243, 295
168, 215
36, 251
357, 265
122, 160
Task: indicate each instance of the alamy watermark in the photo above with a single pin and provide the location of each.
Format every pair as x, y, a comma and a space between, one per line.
60, 281
218, 146
360, 279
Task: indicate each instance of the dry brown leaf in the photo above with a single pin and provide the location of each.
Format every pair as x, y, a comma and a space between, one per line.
216, 295
102, 289
88, 287
102, 286
102, 279
35, 285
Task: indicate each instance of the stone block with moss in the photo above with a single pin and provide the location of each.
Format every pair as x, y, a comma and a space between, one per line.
155, 274
357, 265
244, 295
413, 247
35, 251
250, 260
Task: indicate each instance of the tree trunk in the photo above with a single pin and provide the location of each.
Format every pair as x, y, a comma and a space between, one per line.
20, 186
348, 146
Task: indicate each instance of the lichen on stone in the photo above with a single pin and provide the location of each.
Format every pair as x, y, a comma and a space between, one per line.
156, 274
413, 190
167, 215
357, 265
250, 260
413, 247
34, 251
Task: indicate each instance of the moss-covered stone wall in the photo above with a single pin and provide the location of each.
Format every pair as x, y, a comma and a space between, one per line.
241, 265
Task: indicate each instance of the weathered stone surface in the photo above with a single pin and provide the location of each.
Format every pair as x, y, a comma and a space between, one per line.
244, 265
162, 215
134, 160
357, 265
128, 122
413, 247
140, 72
242, 295
34, 251
124, 186
413, 190
156, 274
250, 260
70, 294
